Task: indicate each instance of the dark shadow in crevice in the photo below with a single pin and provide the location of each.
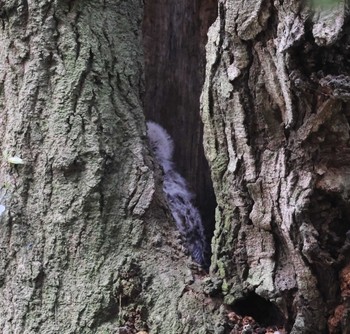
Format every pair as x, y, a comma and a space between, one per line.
329, 214
174, 37
263, 311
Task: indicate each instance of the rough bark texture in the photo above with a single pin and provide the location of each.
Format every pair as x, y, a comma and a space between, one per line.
87, 243
276, 133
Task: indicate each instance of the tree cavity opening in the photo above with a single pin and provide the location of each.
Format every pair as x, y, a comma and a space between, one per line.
263, 311
174, 38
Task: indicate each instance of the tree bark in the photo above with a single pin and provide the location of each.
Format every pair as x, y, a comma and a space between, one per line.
87, 242
276, 134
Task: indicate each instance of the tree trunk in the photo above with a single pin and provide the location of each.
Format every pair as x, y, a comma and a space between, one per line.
87, 243
276, 134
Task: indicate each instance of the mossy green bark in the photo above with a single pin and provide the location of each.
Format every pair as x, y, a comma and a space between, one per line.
87, 242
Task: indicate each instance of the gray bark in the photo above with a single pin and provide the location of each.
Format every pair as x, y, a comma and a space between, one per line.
276, 134
87, 242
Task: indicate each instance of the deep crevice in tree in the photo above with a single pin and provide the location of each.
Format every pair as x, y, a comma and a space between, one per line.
262, 310
319, 61
175, 34
329, 216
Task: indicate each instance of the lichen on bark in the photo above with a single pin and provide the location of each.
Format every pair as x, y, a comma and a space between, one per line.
269, 125
88, 245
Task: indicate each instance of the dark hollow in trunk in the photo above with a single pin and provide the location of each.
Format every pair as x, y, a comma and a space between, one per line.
263, 311
175, 34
